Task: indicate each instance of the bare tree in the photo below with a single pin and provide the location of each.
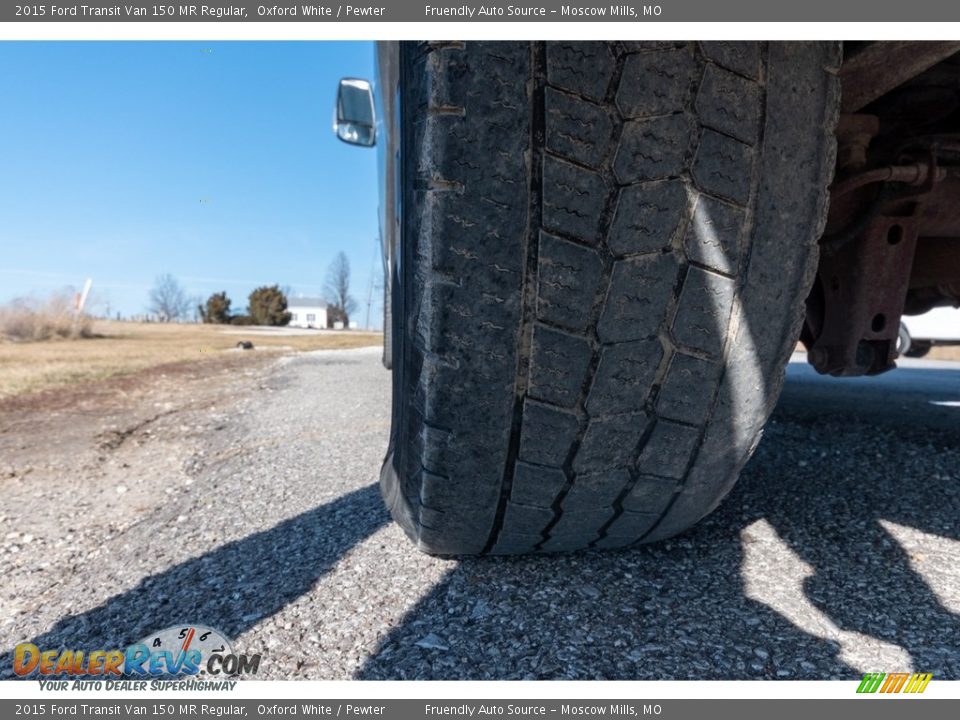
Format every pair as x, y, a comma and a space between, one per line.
168, 301
336, 289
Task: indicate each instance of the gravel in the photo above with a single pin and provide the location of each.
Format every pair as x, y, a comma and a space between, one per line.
837, 553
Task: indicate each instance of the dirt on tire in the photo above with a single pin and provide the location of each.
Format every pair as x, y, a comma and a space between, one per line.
598, 307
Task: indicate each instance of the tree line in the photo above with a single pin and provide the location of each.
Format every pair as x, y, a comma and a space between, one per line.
266, 305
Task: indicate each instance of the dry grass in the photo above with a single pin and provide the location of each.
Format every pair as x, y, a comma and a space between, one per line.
120, 348
30, 319
945, 352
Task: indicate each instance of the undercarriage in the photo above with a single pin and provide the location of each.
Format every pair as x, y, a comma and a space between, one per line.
891, 245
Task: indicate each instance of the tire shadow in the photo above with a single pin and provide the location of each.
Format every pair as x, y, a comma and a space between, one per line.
230, 588
796, 576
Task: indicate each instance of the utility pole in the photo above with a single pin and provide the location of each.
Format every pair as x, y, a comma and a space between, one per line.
81, 300
82, 297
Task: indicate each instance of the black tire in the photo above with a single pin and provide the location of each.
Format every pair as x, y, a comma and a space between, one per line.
387, 323
918, 349
605, 255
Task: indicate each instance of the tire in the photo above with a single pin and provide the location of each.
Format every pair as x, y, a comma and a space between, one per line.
918, 349
904, 341
606, 248
387, 323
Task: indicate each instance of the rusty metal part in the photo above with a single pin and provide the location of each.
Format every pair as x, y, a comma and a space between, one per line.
863, 286
891, 244
854, 133
883, 66
865, 271
913, 174
941, 211
853, 204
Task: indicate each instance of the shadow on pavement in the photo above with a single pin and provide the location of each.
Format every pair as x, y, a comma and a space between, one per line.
905, 429
797, 575
231, 588
794, 577
920, 395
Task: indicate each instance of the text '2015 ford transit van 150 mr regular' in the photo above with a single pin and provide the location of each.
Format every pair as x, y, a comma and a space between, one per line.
601, 255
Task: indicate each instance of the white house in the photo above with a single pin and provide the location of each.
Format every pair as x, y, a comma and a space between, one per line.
307, 312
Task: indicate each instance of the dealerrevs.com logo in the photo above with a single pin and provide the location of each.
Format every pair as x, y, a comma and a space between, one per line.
912, 683
180, 652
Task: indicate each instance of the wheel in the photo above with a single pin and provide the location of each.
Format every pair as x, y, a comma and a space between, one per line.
606, 248
918, 349
903, 341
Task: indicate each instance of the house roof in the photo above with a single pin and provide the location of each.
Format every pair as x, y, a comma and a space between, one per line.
310, 302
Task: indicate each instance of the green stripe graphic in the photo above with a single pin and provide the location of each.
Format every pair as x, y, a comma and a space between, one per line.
871, 682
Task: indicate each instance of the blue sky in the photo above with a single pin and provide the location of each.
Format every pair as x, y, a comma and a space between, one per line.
212, 161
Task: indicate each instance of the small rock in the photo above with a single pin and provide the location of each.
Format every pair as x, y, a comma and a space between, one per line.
480, 610
431, 642
589, 591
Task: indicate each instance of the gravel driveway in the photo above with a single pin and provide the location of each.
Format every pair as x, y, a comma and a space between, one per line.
837, 553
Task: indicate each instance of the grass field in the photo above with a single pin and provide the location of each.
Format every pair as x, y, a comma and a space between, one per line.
120, 348
944, 353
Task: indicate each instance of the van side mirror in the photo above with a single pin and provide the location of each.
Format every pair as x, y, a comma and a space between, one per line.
355, 122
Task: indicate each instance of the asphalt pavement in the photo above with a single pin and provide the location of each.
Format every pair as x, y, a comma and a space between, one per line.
837, 553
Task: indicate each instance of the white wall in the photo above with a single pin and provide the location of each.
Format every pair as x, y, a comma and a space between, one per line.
301, 320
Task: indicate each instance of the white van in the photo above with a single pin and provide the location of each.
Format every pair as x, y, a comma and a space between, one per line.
918, 333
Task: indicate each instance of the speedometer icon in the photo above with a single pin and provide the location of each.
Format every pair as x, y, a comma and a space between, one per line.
178, 640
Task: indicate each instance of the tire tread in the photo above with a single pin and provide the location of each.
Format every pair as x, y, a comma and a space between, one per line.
587, 251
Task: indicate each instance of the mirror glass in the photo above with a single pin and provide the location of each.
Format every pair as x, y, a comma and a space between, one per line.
355, 117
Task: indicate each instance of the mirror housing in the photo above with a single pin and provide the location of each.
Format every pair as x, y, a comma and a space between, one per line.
355, 121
